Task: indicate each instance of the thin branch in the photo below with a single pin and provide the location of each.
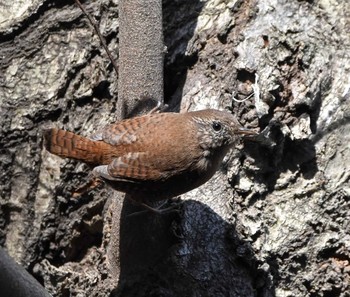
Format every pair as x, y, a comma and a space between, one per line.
103, 42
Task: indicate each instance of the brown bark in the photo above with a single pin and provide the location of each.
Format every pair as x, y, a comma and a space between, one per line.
272, 222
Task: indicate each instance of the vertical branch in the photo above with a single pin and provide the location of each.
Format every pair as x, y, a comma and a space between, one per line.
16, 281
141, 50
140, 88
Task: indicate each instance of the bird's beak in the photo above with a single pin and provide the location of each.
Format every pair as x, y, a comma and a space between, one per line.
246, 132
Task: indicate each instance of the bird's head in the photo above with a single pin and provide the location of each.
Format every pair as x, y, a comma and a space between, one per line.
218, 130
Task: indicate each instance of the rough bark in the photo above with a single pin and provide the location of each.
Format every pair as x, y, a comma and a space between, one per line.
272, 222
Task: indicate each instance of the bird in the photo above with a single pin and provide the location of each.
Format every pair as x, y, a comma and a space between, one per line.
155, 156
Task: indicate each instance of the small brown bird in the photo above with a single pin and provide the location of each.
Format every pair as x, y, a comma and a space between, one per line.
155, 156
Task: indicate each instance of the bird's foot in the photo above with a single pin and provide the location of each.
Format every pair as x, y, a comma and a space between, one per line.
160, 210
160, 107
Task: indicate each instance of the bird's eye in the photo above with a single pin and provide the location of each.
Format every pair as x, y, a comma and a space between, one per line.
217, 126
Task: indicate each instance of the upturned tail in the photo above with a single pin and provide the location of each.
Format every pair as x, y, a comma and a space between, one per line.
69, 145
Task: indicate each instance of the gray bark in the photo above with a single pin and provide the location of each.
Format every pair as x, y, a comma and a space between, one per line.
272, 222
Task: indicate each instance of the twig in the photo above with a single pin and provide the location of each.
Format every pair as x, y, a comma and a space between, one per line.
103, 42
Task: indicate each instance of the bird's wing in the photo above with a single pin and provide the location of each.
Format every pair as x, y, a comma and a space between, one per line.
131, 167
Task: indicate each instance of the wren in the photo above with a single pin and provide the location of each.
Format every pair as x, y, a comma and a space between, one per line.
155, 156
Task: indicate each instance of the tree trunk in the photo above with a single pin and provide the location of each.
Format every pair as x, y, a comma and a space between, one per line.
272, 222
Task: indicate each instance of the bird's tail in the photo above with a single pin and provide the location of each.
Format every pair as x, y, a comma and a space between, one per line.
69, 145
